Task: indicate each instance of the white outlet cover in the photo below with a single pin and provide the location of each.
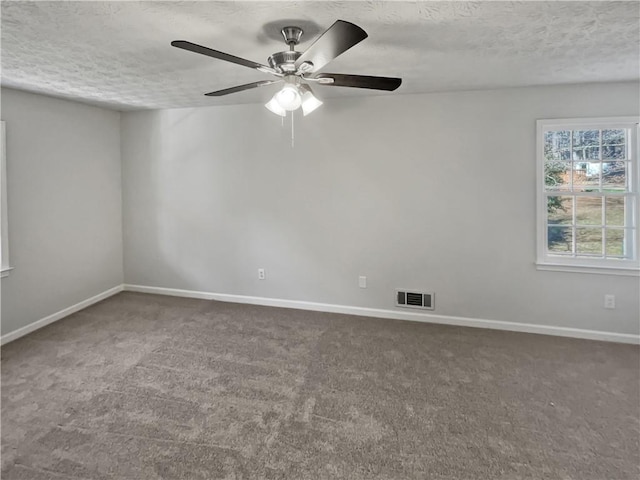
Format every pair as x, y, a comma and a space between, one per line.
609, 301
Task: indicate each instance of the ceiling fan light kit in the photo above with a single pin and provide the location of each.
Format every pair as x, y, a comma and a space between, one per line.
275, 107
309, 101
297, 69
292, 96
289, 96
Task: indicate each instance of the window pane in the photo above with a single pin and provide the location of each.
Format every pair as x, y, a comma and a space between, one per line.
614, 152
586, 176
557, 145
559, 209
614, 176
589, 240
556, 176
583, 138
559, 239
613, 137
615, 242
586, 153
588, 210
614, 211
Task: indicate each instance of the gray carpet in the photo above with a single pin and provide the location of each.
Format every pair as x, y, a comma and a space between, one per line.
152, 387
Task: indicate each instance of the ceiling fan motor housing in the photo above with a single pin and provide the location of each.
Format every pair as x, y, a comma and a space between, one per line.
284, 62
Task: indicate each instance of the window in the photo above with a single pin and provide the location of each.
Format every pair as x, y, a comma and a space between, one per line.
588, 195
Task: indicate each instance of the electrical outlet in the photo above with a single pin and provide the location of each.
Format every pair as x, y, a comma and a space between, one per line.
609, 301
362, 282
261, 274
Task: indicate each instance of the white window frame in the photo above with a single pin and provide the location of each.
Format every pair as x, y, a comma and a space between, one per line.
548, 261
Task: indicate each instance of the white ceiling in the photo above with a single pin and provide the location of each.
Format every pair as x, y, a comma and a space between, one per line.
118, 54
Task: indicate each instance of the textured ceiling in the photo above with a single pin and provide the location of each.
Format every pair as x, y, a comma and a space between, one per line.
117, 54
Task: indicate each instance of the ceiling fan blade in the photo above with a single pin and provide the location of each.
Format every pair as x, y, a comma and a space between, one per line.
240, 88
360, 81
336, 40
194, 47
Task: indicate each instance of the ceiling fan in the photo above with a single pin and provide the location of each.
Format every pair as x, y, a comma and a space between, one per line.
298, 70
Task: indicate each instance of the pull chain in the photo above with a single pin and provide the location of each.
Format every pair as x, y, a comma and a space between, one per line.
292, 132
292, 128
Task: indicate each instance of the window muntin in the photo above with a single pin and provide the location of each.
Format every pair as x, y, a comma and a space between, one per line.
588, 192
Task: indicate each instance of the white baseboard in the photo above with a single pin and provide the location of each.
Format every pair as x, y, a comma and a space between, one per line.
9, 337
173, 292
396, 315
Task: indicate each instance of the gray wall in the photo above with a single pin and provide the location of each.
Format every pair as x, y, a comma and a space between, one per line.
65, 205
433, 191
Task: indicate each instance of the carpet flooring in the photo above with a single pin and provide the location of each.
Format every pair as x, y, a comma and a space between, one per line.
152, 387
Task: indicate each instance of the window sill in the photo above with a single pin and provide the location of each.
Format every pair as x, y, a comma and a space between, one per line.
5, 272
557, 267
